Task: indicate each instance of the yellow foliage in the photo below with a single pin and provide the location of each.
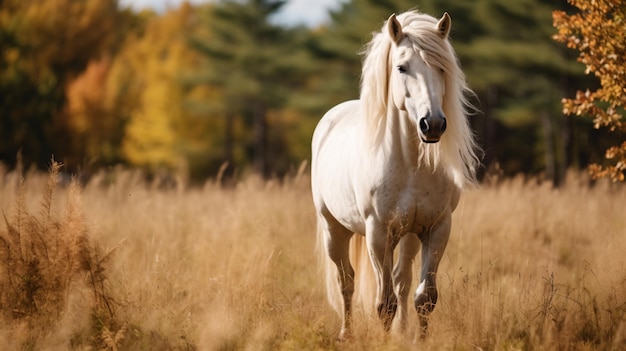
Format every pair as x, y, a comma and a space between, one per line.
149, 69
598, 32
149, 135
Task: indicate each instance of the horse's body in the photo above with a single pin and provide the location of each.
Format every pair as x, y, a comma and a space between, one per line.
390, 166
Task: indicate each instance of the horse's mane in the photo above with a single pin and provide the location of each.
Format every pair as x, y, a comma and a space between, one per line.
456, 151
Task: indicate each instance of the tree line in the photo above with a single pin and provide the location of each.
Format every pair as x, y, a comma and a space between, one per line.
200, 86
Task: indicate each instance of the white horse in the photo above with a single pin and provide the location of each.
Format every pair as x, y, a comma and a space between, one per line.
391, 165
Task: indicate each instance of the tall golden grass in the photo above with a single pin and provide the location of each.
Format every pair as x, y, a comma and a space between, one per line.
137, 265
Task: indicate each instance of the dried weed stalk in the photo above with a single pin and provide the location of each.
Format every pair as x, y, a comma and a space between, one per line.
44, 257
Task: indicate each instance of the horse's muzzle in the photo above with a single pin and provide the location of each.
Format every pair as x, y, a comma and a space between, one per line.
432, 127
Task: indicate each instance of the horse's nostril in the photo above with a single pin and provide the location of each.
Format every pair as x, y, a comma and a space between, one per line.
423, 125
444, 125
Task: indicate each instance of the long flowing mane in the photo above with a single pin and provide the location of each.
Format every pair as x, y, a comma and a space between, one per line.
456, 151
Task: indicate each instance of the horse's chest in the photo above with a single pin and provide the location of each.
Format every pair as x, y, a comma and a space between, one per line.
411, 206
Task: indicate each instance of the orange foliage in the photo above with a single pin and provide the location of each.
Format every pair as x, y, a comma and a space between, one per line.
598, 32
88, 115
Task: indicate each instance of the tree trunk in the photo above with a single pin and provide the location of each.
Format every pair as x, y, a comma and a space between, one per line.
229, 139
550, 159
489, 131
260, 141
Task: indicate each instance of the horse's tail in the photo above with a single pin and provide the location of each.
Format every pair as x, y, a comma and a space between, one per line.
365, 279
329, 271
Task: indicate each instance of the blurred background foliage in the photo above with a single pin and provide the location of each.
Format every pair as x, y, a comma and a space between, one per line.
186, 90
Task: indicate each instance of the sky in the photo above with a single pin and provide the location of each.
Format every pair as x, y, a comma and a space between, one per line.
307, 12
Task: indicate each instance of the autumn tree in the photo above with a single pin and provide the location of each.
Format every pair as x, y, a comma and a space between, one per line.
145, 91
88, 117
598, 31
96, 109
44, 45
146, 69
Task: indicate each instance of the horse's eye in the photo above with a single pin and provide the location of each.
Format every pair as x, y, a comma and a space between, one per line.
401, 69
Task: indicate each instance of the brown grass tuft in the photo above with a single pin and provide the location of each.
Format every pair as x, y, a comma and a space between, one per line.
44, 260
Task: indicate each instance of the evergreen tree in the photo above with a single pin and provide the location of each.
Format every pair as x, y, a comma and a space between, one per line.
255, 65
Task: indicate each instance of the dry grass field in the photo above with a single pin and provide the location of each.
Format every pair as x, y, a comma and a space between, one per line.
125, 264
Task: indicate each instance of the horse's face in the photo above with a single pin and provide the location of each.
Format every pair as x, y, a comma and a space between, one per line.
417, 87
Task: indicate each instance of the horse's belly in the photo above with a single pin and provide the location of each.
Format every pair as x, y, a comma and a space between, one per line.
346, 213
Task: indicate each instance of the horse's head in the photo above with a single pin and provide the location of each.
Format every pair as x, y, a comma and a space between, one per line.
410, 66
416, 85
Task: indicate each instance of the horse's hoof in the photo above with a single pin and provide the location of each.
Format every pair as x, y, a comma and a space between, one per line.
386, 314
344, 336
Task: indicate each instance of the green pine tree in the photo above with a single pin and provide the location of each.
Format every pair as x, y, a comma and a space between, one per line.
256, 65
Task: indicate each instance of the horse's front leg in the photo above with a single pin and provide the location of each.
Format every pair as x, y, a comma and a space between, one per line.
403, 275
433, 245
380, 245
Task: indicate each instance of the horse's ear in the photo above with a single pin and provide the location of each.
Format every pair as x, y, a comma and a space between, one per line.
444, 24
395, 29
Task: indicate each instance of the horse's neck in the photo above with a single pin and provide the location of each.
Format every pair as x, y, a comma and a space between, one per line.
400, 139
